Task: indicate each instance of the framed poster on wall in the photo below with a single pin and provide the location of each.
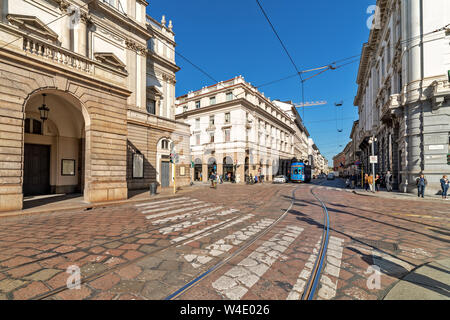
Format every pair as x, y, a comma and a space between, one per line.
138, 166
67, 167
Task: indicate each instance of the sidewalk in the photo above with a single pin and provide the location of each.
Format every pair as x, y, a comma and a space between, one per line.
55, 203
428, 282
398, 195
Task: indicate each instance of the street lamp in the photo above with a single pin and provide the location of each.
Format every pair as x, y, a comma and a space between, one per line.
372, 141
43, 110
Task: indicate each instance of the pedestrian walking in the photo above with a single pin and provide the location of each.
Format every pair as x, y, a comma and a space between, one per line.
445, 185
366, 182
421, 183
387, 180
213, 179
370, 182
377, 182
353, 181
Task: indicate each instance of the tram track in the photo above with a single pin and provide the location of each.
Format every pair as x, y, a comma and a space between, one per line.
171, 223
311, 288
312, 285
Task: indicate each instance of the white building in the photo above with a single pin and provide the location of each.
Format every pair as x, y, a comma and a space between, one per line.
403, 97
235, 129
301, 133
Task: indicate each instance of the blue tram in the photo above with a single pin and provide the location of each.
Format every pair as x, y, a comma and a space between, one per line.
300, 172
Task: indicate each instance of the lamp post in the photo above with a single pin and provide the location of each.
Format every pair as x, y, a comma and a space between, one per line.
372, 141
43, 110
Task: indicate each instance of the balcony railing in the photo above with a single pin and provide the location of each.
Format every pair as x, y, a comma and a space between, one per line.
57, 54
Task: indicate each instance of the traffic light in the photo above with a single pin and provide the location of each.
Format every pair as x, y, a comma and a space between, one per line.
171, 157
448, 158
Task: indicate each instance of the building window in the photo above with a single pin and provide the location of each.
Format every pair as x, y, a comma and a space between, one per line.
197, 104
229, 96
211, 120
151, 106
212, 101
33, 126
227, 117
165, 144
227, 135
197, 123
197, 139
185, 109
138, 166
211, 137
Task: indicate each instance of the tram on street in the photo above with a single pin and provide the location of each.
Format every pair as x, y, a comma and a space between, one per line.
300, 172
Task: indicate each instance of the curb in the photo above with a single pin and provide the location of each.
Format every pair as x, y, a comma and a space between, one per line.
398, 197
84, 207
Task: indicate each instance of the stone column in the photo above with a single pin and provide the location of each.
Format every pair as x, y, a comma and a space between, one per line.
205, 172
82, 35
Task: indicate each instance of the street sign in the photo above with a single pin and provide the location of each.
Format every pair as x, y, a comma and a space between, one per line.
373, 159
176, 158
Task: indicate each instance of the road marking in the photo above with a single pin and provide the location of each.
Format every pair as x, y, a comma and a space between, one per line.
239, 279
185, 215
164, 201
151, 216
171, 206
225, 224
328, 288
226, 244
419, 216
187, 224
305, 274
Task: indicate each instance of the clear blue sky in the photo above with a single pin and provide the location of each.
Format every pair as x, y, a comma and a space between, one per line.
231, 38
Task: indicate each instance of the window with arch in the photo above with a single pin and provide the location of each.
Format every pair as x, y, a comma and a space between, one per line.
33, 126
165, 144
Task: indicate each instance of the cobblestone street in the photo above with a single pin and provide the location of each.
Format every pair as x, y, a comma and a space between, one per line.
149, 250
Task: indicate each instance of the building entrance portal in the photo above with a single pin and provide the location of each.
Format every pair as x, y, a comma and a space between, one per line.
54, 149
36, 177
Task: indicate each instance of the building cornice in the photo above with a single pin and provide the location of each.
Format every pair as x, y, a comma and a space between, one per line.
113, 13
237, 102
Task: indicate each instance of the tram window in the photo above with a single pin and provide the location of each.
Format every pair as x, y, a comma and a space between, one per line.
295, 171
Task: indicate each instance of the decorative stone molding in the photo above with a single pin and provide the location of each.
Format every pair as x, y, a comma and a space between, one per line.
33, 25
63, 5
441, 93
132, 45
110, 59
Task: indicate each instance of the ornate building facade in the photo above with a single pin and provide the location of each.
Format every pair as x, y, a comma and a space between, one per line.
73, 92
236, 129
403, 96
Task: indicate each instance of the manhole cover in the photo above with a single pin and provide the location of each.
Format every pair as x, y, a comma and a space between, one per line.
391, 246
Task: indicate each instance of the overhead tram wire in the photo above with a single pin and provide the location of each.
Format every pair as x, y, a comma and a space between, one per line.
287, 52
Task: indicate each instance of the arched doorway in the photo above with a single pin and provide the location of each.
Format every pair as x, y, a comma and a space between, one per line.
198, 170
228, 171
212, 166
54, 148
164, 175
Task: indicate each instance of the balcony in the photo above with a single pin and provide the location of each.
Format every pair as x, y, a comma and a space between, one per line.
389, 107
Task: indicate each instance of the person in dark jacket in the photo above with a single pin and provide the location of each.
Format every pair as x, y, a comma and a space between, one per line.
421, 183
445, 184
387, 179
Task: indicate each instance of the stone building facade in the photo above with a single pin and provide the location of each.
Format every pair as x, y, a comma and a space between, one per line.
404, 94
84, 61
237, 130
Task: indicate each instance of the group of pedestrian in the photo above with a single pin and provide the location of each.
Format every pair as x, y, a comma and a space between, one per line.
421, 183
